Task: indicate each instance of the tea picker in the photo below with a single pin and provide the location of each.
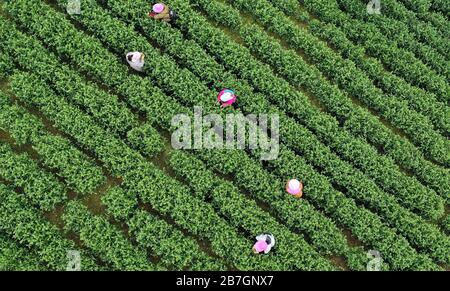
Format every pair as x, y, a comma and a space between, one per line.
264, 243
295, 188
226, 98
161, 11
136, 61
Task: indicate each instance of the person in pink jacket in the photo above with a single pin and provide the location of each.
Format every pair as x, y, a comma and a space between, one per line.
264, 243
226, 98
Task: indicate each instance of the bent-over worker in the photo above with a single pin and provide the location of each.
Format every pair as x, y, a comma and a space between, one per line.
295, 188
163, 12
136, 61
264, 243
226, 98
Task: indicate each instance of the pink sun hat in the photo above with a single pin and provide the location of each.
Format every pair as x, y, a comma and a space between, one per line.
294, 187
260, 246
158, 8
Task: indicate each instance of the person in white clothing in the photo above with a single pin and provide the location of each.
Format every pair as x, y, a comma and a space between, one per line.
136, 61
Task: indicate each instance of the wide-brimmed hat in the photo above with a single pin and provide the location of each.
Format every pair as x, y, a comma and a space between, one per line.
294, 187
226, 96
158, 8
260, 246
294, 184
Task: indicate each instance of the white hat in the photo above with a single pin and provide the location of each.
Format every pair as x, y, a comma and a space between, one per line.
227, 96
294, 184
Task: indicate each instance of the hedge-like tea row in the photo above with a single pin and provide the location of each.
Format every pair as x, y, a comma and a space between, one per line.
341, 209
288, 127
294, 213
240, 210
96, 13
14, 257
146, 140
137, 180
97, 102
359, 122
446, 225
101, 34
420, 6
246, 261
151, 232
353, 186
398, 32
437, 20
190, 167
174, 248
351, 79
25, 224
79, 171
424, 237
105, 239
423, 31
140, 176
6, 65
394, 182
417, 98
42, 188
247, 175
357, 155
441, 6
285, 265
376, 44
140, 92
105, 107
